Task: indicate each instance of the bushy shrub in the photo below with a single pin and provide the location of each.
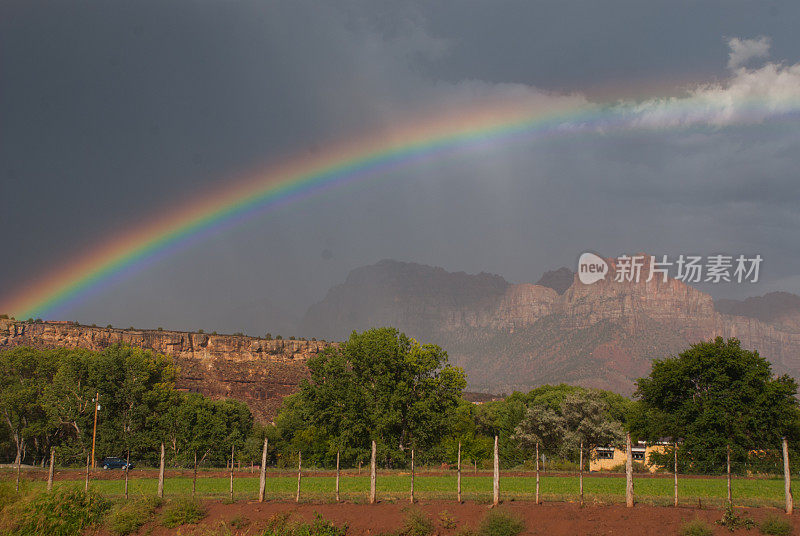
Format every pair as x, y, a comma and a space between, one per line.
319, 527
446, 520
732, 521
278, 525
182, 512
776, 525
416, 523
127, 517
697, 527
499, 523
63, 512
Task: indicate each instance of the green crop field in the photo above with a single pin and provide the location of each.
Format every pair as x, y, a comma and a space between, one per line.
711, 491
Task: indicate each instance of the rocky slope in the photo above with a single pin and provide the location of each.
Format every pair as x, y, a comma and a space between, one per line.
510, 336
256, 371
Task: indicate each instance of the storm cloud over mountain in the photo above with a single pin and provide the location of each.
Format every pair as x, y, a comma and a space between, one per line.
116, 114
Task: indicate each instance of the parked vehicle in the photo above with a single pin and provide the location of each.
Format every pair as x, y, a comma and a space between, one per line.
114, 463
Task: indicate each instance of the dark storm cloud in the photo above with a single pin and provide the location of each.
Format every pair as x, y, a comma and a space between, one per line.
113, 113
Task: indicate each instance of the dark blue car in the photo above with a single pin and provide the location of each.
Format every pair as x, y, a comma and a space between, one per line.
114, 463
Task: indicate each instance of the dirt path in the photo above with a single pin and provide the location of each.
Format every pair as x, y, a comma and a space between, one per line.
550, 519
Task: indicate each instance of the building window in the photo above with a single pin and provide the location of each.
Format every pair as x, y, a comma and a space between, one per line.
638, 456
605, 454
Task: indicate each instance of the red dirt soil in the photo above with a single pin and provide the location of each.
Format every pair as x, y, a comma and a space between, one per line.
550, 519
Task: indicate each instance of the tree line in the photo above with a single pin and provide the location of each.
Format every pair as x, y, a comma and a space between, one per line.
384, 386
48, 399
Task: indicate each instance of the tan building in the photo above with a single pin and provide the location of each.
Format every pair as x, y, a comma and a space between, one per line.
607, 458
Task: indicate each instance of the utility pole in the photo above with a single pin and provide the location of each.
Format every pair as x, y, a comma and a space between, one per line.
94, 431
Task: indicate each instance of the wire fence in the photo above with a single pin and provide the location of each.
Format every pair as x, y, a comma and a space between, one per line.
461, 482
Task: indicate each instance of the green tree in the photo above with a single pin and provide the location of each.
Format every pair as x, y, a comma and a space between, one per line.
588, 421
379, 385
583, 416
26, 372
713, 395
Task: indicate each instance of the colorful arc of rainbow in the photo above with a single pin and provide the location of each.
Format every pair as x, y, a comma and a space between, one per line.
298, 178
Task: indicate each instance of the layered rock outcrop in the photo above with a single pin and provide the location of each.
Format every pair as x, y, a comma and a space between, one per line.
256, 371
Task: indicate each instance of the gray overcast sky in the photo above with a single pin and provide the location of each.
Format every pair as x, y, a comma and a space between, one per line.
113, 113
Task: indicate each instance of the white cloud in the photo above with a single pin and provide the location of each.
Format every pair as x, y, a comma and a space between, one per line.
744, 50
748, 96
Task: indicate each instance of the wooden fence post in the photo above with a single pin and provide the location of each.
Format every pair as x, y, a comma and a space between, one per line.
262, 480
233, 447
537, 473
127, 466
458, 478
675, 472
496, 483
580, 471
372, 474
787, 478
161, 473
88, 461
50, 469
337, 476
19, 469
628, 471
730, 495
412, 476
299, 474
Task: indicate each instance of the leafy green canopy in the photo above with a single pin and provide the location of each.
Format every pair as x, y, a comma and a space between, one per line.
582, 417
712, 395
47, 398
378, 385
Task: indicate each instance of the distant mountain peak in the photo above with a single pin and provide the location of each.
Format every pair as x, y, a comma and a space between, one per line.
517, 336
781, 308
559, 280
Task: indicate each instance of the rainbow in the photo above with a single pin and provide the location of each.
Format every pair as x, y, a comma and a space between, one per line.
367, 156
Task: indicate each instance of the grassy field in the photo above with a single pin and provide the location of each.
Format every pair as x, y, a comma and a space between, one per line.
711, 491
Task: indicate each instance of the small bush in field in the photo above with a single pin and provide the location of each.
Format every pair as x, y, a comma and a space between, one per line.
416, 523
776, 525
319, 527
732, 521
499, 523
698, 527
278, 525
129, 516
446, 520
183, 512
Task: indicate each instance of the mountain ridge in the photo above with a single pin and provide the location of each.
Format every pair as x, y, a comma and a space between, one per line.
517, 336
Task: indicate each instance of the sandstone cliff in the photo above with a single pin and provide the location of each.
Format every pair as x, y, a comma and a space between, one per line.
256, 371
519, 336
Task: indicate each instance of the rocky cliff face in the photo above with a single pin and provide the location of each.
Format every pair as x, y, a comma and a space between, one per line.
519, 336
258, 372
